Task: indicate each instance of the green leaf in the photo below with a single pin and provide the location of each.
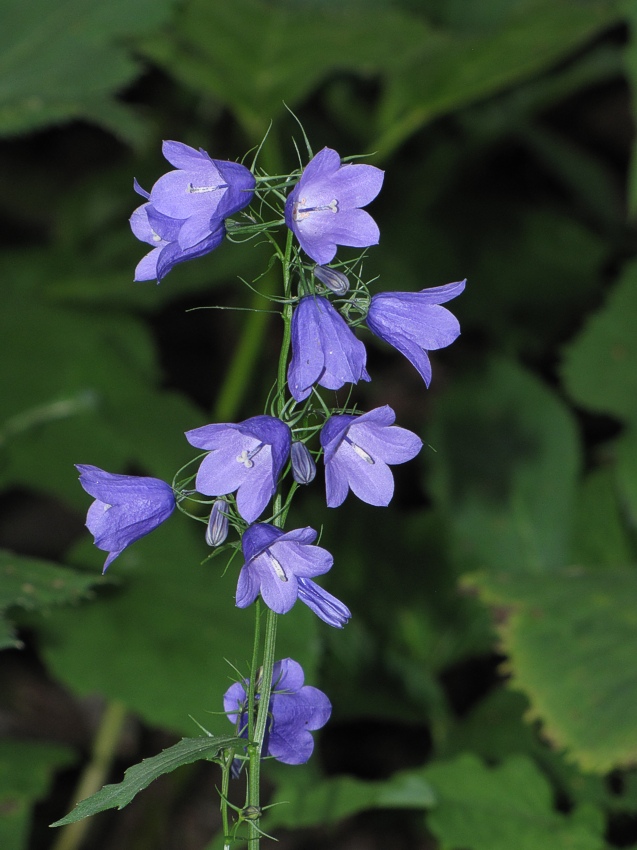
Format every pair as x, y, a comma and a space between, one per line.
570, 639
60, 60
600, 366
32, 584
313, 803
450, 70
166, 642
482, 808
278, 53
505, 475
140, 776
600, 538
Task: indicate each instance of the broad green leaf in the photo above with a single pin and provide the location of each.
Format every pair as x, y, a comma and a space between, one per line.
313, 803
600, 365
167, 641
257, 56
451, 70
630, 64
506, 807
600, 537
140, 776
87, 394
626, 469
32, 584
570, 639
65, 59
25, 773
504, 469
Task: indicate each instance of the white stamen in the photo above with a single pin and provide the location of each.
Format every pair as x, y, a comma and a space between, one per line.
197, 190
246, 457
360, 452
276, 566
156, 237
300, 211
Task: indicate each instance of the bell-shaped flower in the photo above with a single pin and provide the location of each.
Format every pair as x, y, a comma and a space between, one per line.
324, 208
274, 561
324, 349
303, 466
330, 609
162, 233
201, 192
414, 322
126, 507
217, 528
295, 710
357, 451
334, 280
246, 457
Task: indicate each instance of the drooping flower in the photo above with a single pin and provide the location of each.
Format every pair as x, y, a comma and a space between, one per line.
324, 349
295, 710
274, 562
246, 457
330, 609
334, 280
358, 450
324, 208
201, 192
126, 507
162, 233
217, 528
303, 466
414, 322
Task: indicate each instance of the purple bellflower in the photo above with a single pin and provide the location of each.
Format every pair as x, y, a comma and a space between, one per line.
334, 280
330, 609
274, 562
324, 208
358, 450
324, 349
126, 507
201, 192
246, 458
295, 711
162, 233
414, 322
217, 528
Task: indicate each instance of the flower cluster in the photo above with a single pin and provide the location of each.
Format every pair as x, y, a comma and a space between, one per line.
295, 711
243, 465
186, 209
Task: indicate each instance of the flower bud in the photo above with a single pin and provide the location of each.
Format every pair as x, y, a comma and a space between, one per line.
217, 529
335, 281
303, 466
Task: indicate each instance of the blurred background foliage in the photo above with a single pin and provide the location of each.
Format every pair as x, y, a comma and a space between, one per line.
485, 692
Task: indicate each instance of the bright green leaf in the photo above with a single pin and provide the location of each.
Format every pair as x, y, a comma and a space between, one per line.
570, 639
482, 808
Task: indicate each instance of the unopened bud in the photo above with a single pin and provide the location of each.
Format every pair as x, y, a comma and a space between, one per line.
303, 466
335, 281
217, 529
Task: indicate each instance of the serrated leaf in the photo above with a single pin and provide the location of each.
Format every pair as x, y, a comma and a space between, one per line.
482, 808
25, 773
329, 801
139, 776
31, 584
505, 475
600, 366
570, 642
